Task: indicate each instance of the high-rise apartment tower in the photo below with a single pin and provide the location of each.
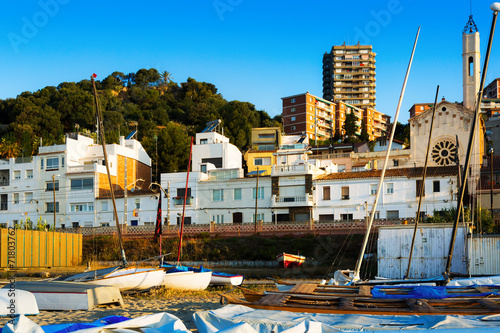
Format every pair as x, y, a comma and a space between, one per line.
349, 75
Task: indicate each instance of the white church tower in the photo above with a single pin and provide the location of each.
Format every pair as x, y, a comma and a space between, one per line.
471, 62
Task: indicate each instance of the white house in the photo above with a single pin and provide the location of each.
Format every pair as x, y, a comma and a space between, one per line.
350, 195
74, 173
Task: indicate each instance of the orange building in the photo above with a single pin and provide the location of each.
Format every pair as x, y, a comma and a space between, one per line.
322, 120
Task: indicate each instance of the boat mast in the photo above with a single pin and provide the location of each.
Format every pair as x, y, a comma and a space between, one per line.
103, 143
179, 251
495, 7
379, 188
422, 189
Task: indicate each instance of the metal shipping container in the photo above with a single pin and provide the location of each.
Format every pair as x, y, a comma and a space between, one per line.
432, 244
484, 254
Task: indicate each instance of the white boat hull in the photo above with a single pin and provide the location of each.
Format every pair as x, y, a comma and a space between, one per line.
187, 280
132, 279
16, 302
220, 280
69, 296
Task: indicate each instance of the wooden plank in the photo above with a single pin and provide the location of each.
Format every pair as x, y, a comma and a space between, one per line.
304, 288
490, 304
365, 291
273, 300
420, 305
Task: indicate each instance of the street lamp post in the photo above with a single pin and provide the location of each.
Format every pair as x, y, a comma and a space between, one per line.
54, 191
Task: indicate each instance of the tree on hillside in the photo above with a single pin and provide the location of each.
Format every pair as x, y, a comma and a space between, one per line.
402, 133
166, 78
9, 149
364, 137
350, 126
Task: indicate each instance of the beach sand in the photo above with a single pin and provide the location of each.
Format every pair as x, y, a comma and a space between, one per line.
179, 305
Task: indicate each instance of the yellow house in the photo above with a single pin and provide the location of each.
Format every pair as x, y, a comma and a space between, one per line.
265, 142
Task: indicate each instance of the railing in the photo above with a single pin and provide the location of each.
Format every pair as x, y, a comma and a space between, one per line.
4, 183
231, 229
81, 168
298, 198
329, 156
293, 168
23, 159
4, 161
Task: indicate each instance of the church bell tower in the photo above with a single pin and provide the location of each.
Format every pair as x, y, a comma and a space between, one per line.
470, 66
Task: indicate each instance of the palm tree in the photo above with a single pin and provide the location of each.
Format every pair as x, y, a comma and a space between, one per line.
9, 149
166, 77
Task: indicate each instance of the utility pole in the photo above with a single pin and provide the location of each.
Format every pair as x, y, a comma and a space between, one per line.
54, 191
491, 180
256, 198
125, 198
168, 203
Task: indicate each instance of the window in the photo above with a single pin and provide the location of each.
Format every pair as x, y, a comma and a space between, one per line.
266, 136
82, 207
137, 203
326, 192
104, 206
28, 196
373, 189
293, 100
392, 214
203, 168
52, 163
218, 219
49, 207
262, 161
292, 128
310, 117
326, 217
390, 188
16, 198
346, 217
41, 163
420, 188
82, 184
49, 186
29, 174
395, 163
292, 109
17, 174
62, 162
182, 191
217, 195
293, 118
345, 192
260, 193
260, 217
237, 194
203, 141
436, 186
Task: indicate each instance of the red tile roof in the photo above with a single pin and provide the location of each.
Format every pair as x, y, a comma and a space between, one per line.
398, 172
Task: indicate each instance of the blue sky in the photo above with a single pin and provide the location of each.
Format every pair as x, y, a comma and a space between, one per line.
252, 50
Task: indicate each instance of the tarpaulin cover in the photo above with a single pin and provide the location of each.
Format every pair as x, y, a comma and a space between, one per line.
158, 323
426, 292
65, 328
239, 318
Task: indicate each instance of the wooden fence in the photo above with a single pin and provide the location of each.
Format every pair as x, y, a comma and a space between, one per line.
33, 249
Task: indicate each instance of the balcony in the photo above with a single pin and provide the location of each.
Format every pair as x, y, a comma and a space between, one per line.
293, 169
292, 201
82, 168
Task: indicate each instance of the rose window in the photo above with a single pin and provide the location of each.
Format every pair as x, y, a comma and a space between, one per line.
444, 153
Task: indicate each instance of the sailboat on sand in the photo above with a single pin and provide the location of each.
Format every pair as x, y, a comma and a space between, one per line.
123, 277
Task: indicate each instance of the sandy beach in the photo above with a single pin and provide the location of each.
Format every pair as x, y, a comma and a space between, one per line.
178, 304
